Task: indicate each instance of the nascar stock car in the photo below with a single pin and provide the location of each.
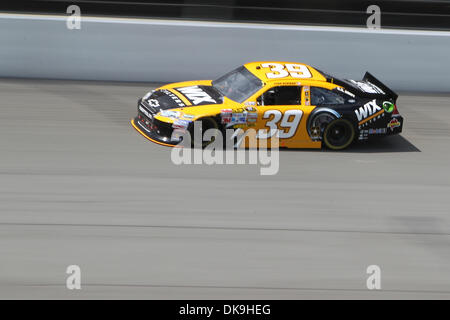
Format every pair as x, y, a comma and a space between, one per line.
303, 106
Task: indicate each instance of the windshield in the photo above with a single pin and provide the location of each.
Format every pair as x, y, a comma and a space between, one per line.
238, 85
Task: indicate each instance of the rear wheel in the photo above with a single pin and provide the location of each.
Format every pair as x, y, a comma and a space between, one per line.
339, 134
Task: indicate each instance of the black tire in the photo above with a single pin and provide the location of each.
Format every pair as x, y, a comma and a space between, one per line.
207, 123
339, 134
317, 123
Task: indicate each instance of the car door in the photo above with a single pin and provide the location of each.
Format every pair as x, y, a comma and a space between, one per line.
282, 108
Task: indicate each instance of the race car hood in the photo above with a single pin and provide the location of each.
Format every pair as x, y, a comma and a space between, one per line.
179, 95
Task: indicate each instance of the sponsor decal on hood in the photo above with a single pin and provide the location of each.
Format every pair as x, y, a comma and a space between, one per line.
166, 99
163, 99
200, 95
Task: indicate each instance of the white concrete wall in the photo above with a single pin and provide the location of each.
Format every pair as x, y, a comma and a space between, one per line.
165, 50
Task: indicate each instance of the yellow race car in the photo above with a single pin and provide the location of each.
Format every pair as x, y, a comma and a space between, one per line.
303, 106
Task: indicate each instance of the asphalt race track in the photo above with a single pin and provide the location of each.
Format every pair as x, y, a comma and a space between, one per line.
78, 185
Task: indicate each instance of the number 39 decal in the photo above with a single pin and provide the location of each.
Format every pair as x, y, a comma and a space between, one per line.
290, 69
285, 123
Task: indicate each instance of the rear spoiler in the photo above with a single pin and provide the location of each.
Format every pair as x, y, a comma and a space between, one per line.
370, 78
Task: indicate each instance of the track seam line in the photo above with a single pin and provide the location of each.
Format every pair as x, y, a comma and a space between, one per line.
242, 288
219, 228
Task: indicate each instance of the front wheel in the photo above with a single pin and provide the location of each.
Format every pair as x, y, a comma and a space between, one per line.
339, 134
197, 135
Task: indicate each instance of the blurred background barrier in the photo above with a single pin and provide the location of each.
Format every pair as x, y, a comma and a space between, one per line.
168, 50
421, 14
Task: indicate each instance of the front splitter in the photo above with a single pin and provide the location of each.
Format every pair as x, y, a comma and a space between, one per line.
152, 139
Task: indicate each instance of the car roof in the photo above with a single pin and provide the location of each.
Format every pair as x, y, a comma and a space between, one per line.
257, 69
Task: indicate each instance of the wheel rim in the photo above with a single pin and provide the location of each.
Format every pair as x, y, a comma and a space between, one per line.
319, 123
339, 134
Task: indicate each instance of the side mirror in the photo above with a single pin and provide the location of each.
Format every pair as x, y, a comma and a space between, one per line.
259, 101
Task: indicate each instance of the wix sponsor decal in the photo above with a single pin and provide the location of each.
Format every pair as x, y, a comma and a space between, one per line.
367, 110
196, 95
173, 97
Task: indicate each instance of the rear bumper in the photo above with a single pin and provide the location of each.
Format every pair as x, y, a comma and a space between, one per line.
395, 125
389, 127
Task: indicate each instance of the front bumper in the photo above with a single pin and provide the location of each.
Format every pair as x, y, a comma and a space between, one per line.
151, 128
152, 135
